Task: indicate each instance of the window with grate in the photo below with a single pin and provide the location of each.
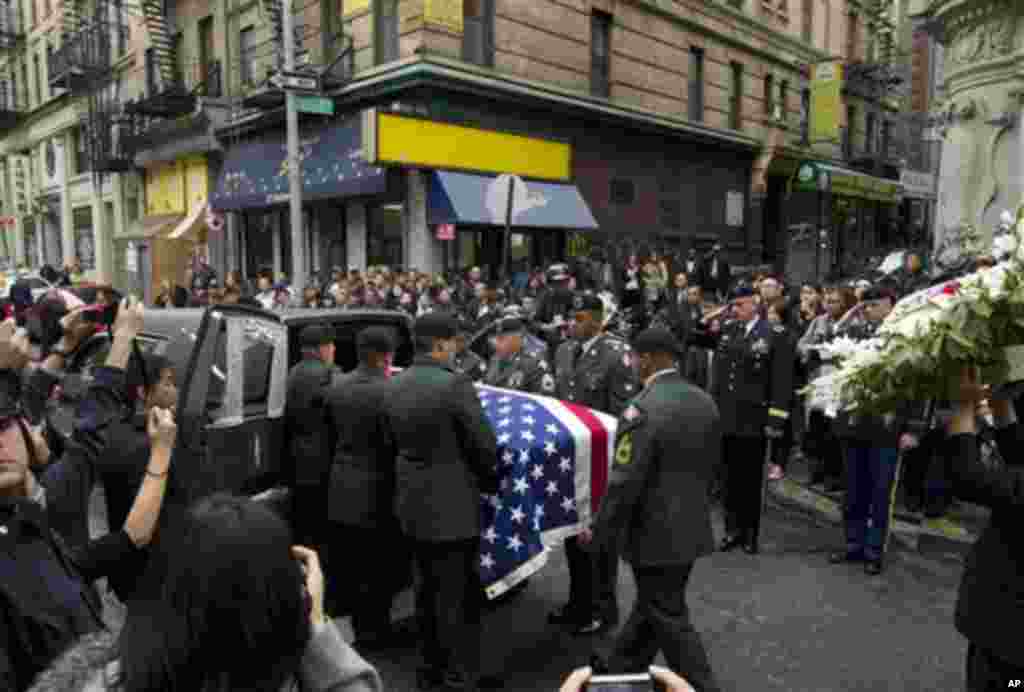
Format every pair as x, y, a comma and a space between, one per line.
736, 97
869, 134
600, 53
887, 139
784, 99
478, 32
852, 36
37, 63
769, 95
385, 40
622, 191
850, 132
695, 85
807, 28
247, 51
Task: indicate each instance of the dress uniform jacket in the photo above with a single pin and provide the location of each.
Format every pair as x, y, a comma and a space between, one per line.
600, 377
446, 452
667, 447
470, 364
307, 436
362, 477
753, 376
527, 371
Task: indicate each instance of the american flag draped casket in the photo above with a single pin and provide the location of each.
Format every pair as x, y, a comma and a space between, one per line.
553, 460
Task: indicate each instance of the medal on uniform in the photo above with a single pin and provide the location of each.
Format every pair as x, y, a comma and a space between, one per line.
516, 380
624, 450
631, 413
760, 347
547, 383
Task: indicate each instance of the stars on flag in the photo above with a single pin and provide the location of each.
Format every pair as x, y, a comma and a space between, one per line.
509, 457
538, 472
527, 435
505, 410
529, 407
504, 422
514, 543
568, 504
529, 420
521, 486
549, 448
551, 429
486, 561
518, 515
552, 488
490, 535
565, 465
504, 438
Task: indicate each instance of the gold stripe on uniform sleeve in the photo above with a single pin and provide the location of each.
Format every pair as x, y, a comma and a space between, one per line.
778, 413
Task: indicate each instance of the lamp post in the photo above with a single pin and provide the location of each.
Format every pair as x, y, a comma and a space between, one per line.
823, 185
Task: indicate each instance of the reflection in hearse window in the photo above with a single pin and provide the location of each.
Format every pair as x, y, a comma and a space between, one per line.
257, 362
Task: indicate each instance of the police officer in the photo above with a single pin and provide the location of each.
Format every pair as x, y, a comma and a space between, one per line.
360, 508
752, 384
465, 361
446, 456
306, 430
514, 366
594, 370
667, 448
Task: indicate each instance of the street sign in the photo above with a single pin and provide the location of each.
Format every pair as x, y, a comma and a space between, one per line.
296, 81
320, 105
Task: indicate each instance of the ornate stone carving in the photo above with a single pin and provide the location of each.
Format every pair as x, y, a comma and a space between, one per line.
949, 116
989, 39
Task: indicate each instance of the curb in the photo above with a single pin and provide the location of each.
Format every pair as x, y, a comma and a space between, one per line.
941, 536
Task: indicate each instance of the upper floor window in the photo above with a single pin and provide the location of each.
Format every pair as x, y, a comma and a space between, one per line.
247, 50
869, 133
600, 53
37, 64
769, 95
736, 97
784, 99
695, 83
850, 132
852, 37
386, 30
478, 32
807, 26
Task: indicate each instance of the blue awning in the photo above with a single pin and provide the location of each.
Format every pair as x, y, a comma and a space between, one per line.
255, 171
464, 198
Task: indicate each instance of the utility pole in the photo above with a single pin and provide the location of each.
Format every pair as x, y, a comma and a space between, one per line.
294, 173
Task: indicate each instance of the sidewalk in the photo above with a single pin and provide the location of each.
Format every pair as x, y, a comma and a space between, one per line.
952, 534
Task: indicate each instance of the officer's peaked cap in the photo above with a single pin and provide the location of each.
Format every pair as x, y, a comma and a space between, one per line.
655, 340
314, 336
509, 325
437, 326
587, 302
376, 339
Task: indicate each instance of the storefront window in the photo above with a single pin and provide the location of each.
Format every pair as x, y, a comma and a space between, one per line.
85, 244
259, 243
468, 254
31, 243
384, 237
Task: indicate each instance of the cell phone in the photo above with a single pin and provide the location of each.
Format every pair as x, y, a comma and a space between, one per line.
638, 682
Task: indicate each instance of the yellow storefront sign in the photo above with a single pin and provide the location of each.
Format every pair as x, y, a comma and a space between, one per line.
350, 7
826, 101
447, 13
177, 187
400, 140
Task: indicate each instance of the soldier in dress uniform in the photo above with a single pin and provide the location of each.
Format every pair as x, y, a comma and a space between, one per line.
446, 456
594, 370
667, 447
464, 360
753, 387
514, 366
361, 493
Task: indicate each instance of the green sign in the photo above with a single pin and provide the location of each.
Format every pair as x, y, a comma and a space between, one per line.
319, 105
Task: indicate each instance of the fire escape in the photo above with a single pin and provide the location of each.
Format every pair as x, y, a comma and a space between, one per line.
83, 65
172, 88
13, 101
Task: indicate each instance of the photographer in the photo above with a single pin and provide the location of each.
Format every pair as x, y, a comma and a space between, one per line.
992, 589
669, 681
47, 561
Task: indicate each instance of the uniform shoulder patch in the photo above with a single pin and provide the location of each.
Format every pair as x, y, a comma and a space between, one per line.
624, 450
632, 412
547, 384
778, 329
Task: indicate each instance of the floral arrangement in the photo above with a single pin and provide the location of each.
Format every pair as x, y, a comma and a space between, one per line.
930, 335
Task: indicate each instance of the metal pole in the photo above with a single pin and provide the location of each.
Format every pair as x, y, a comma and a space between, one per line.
294, 174
506, 248
817, 236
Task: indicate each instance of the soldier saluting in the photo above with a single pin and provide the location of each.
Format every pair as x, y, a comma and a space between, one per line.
514, 366
753, 387
594, 370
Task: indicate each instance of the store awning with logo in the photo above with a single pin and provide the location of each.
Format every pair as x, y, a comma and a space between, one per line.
464, 198
255, 172
817, 176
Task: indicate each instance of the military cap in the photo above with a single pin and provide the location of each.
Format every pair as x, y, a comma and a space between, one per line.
509, 325
376, 339
558, 272
880, 292
741, 291
587, 302
436, 325
314, 335
655, 340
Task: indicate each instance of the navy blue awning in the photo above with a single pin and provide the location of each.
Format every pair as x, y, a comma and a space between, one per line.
464, 198
255, 171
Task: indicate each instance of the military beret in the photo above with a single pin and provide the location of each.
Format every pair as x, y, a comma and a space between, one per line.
376, 339
509, 325
880, 292
741, 291
314, 335
587, 303
655, 340
436, 325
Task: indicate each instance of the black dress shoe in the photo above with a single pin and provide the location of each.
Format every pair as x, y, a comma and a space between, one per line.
730, 543
841, 556
750, 548
873, 568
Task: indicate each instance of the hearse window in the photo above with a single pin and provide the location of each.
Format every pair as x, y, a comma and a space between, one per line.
345, 356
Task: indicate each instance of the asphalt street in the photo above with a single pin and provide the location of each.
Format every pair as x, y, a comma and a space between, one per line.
784, 620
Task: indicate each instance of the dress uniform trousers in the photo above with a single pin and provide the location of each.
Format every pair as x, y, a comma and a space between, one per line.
987, 672
871, 478
448, 605
743, 456
661, 622
593, 578
368, 568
